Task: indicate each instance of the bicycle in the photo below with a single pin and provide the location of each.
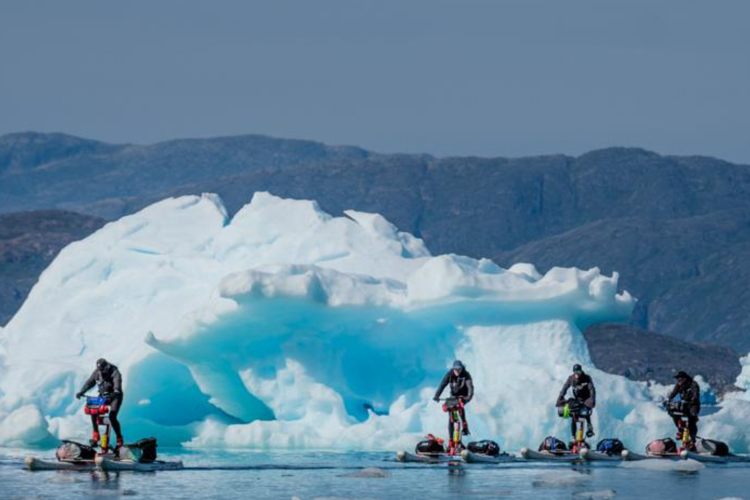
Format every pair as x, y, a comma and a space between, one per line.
99, 407
454, 408
580, 414
679, 410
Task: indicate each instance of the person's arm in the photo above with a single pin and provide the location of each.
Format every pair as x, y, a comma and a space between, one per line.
674, 392
591, 401
117, 381
442, 385
91, 382
470, 386
561, 397
696, 400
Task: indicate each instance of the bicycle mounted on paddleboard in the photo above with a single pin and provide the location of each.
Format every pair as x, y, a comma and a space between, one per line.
98, 408
454, 407
580, 416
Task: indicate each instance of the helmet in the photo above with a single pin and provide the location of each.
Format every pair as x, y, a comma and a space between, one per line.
682, 375
102, 363
577, 369
457, 365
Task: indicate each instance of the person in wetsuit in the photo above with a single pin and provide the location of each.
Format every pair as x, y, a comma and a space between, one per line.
462, 387
109, 381
584, 394
689, 392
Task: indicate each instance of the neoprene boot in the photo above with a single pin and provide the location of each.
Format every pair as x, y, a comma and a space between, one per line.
119, 441
94, 439
466, 429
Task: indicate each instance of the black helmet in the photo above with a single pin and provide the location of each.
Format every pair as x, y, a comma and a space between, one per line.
457, 365
682, 375
577, 369
102, 363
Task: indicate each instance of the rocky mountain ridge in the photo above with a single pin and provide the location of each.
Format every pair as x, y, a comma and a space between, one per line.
677, 229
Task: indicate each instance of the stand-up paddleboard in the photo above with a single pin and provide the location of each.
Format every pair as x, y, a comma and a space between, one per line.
33, 463
477, 458
596, 456
548, 456
426, 458
665, 456
107, 463
631, 456
714, 459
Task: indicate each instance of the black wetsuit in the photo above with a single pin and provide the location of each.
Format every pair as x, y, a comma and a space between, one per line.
584, 394
690, 393
109, 381
462, 386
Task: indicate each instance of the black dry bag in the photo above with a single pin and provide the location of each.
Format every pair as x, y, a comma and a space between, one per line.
143, 451
661, 446
485, 447
70, 451
430, 445
551, 443
610, 446
711, 447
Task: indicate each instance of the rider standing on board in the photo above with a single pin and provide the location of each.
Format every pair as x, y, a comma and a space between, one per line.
462, 387
689, 392
584, 394
107, 376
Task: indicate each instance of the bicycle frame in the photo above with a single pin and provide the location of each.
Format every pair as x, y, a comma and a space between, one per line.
99, 408
677, 409
453, 407
685, 438
580, 423
579, 414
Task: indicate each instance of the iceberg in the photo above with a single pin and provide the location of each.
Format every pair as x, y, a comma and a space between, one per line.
743, 380
286, 327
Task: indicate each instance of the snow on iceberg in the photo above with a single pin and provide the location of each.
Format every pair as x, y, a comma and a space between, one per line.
286, 327
743, 380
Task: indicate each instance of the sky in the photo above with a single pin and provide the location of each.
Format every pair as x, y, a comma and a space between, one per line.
469, 77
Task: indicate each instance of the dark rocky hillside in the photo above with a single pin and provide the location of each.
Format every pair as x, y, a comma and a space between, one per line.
687, 273
647, 356
676, 228
29, 241
39, 171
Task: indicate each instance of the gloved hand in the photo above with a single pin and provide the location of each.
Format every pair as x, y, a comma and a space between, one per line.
79, 395
436, 399
117, 394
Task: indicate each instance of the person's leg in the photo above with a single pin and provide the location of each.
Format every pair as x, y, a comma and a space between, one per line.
693, 427
573, 426
464, 422
678, 424
114, 409
95, 426
589, 428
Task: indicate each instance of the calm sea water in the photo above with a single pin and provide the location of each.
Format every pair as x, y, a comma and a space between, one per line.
310, 475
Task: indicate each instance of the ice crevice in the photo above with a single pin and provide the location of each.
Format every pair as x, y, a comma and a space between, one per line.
285, 327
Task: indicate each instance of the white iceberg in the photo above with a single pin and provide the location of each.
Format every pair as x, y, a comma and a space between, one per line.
285, 327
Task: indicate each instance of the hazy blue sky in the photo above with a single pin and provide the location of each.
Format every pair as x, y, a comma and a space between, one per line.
491, 78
